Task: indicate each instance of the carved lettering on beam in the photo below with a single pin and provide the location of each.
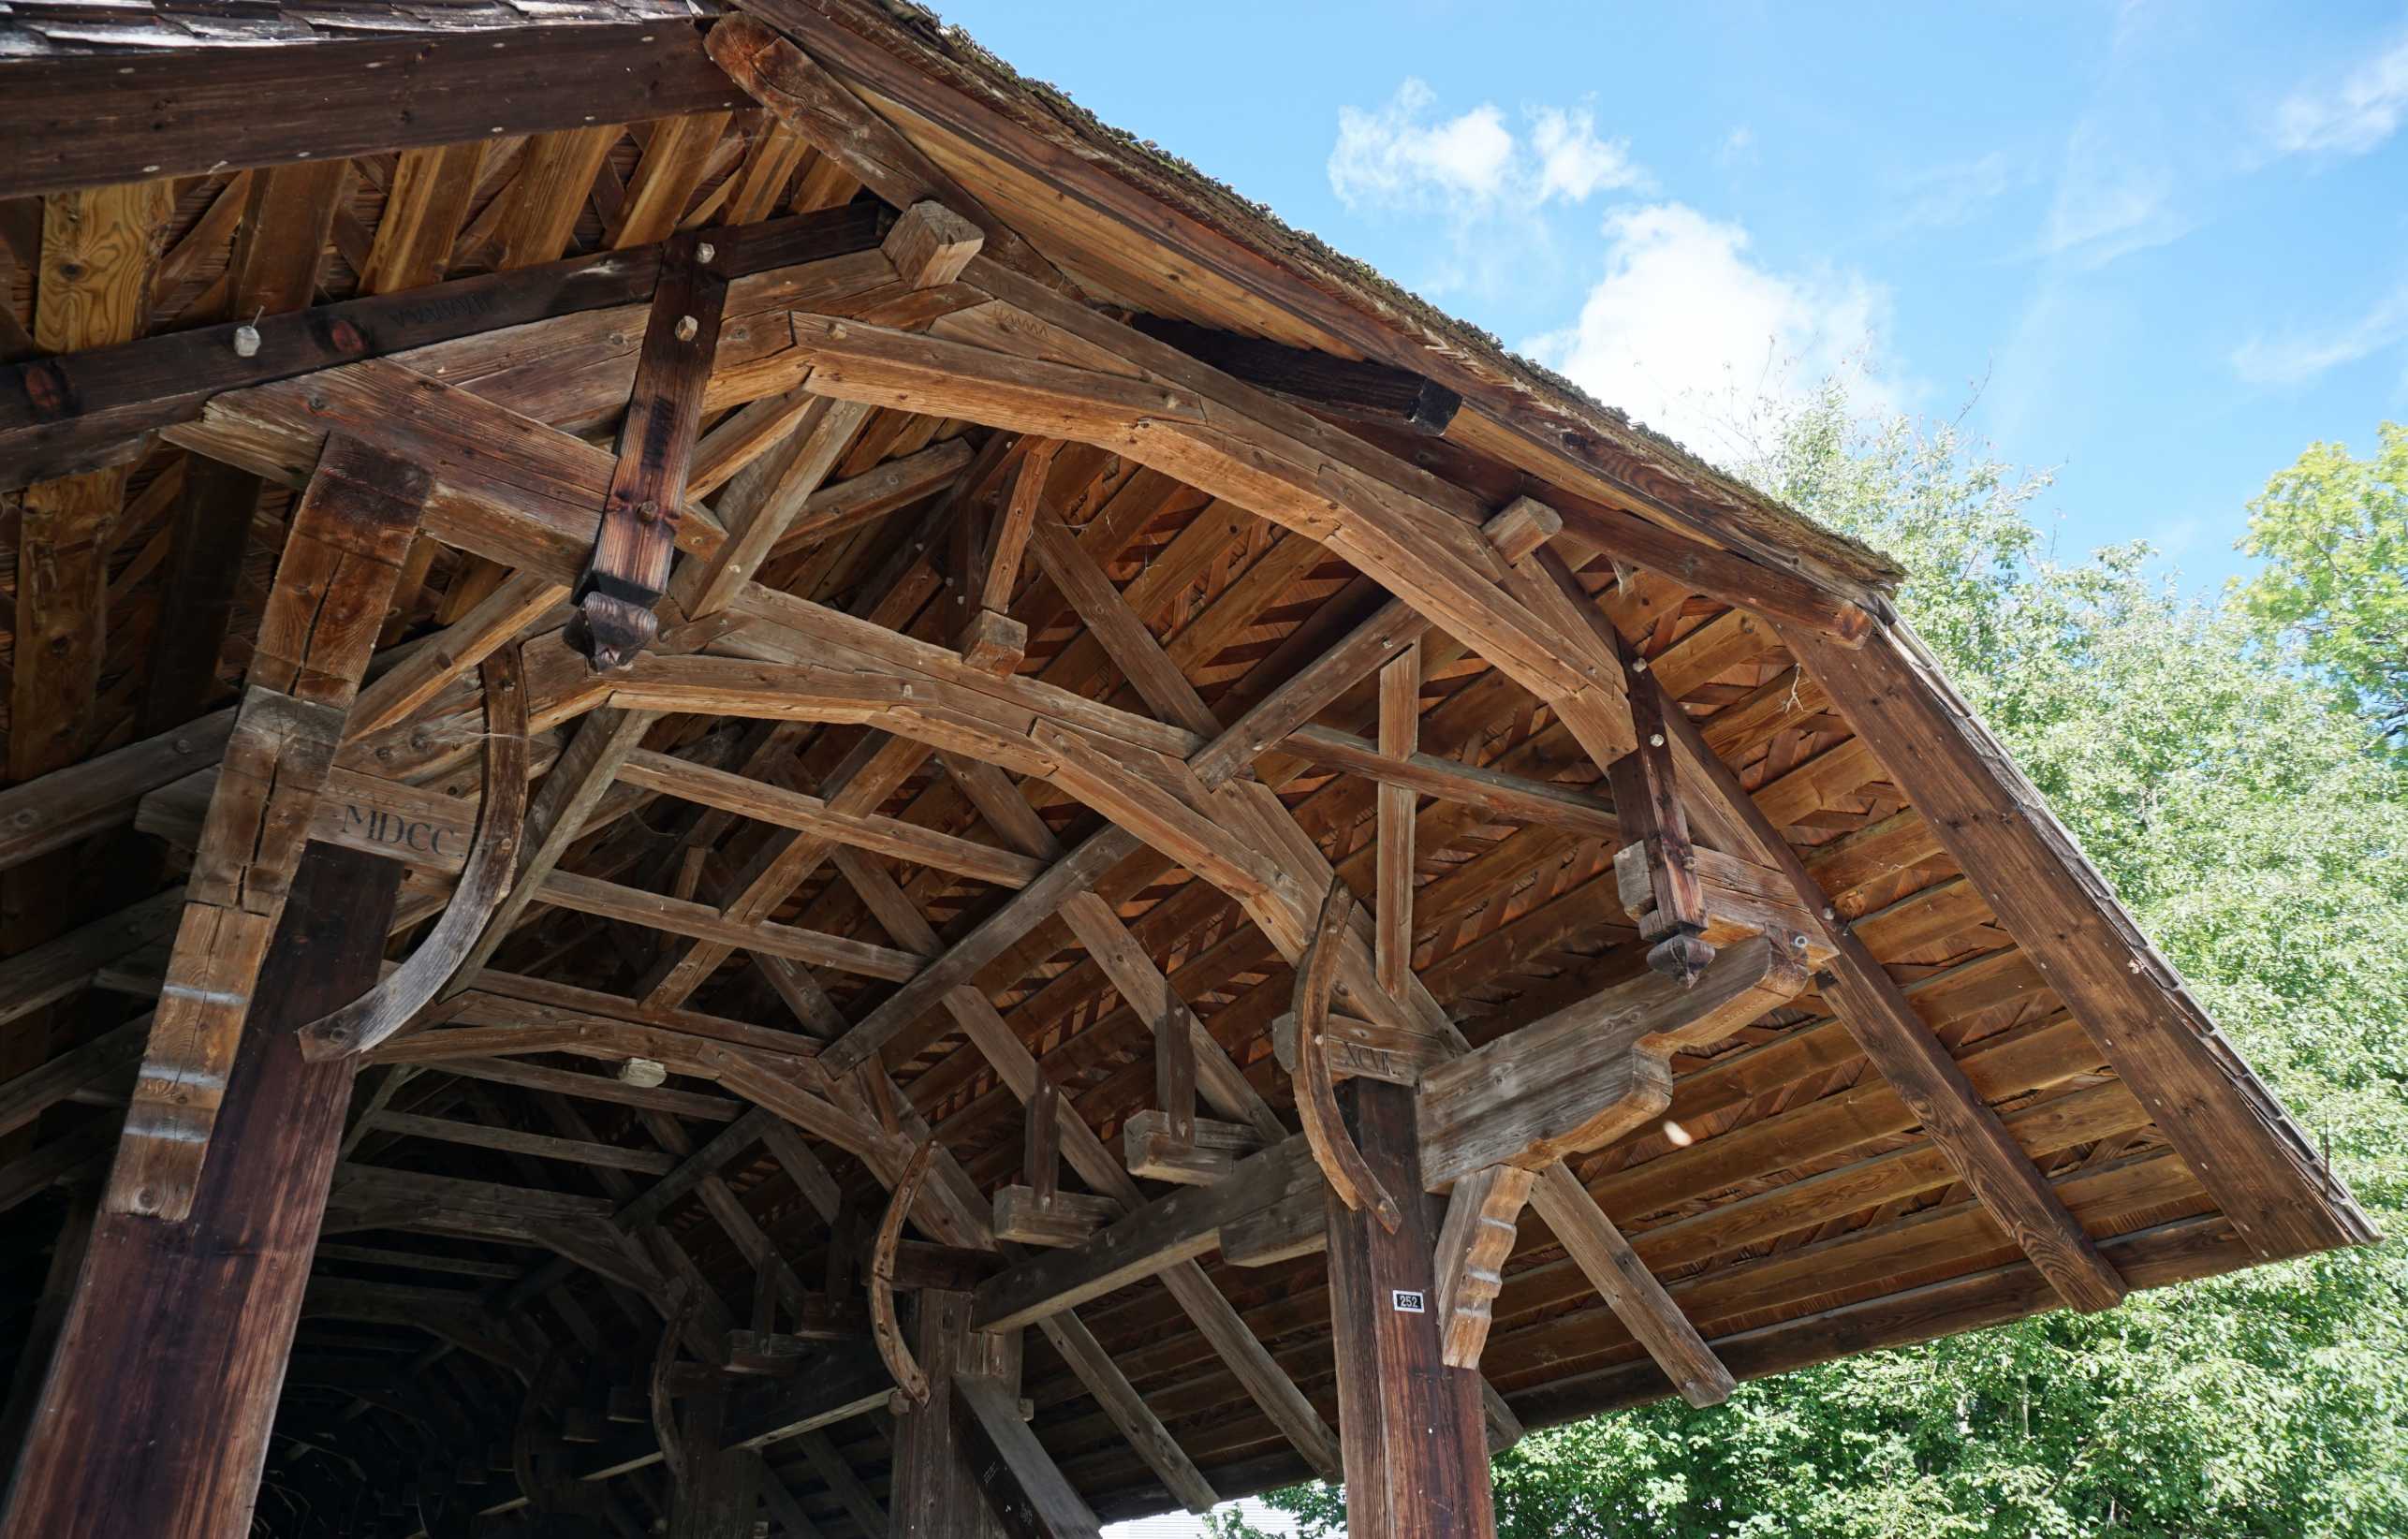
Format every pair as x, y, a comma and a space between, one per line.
492, 862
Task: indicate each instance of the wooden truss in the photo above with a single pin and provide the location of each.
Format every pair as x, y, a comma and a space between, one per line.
769, 534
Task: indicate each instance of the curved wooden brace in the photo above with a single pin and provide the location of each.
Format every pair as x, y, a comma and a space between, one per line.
539, 1456
484, 881
674, 1322
911, 1382
1316, 1099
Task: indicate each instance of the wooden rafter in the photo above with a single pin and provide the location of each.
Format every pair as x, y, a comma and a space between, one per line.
1410, 681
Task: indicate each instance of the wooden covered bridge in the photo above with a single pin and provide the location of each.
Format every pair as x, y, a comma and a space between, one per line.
756, 787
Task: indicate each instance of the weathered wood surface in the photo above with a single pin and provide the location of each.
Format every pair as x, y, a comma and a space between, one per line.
1592, 1072
154, 1417
340, 561
1351, 1180
87, 120
2251, 1157
1374, 392
1469, 1265
76, 411
490, 865
627, 571
1023, 1486
1180, 1227
1095, 667
1894, 1036
1411, 1427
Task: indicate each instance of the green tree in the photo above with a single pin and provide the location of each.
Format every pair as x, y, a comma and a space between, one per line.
2334, 534
2259, 827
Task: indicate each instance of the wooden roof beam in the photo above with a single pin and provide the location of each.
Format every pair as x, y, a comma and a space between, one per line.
1590, 1237
1130, 205
1894, 1036
79, 410
1321, 382
1181, 1226
2238, 1140
89, 119
1252, 1364
873, 831
1589, 1073
841, 127
1507, 797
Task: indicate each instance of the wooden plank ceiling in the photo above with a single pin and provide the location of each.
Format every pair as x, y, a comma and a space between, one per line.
1788, 1200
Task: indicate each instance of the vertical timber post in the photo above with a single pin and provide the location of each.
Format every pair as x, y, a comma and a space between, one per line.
154, 1419
1410, 1428
720, 1487
935, 1496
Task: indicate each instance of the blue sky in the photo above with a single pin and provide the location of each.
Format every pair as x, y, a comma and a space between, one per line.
2158, 248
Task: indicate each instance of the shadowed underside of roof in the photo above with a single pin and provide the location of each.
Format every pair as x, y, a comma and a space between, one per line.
1072, 584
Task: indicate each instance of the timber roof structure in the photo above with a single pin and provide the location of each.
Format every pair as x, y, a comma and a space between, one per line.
966, 721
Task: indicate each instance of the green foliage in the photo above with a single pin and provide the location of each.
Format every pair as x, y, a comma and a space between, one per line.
2259, 827
2334, 532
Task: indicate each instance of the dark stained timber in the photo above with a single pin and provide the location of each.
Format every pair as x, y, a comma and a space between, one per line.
1374, 392
154, 1418
629, 567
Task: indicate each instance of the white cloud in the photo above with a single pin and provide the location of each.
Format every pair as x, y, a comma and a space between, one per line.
1946, 196
1690, 333
1394, 156
2349, 115
1406, 156
1572, 162
2297, 358
1737, 147
2107, 205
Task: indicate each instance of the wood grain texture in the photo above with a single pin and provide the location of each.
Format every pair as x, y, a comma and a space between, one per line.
491, 864
1410, 1427
154, 1418
342, 558
629, 570
188, 112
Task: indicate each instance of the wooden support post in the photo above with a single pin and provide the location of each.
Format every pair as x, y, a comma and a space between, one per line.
154, 1417
338, 570
718, 1487
933, 1495
1409, 1426
1041, 1162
